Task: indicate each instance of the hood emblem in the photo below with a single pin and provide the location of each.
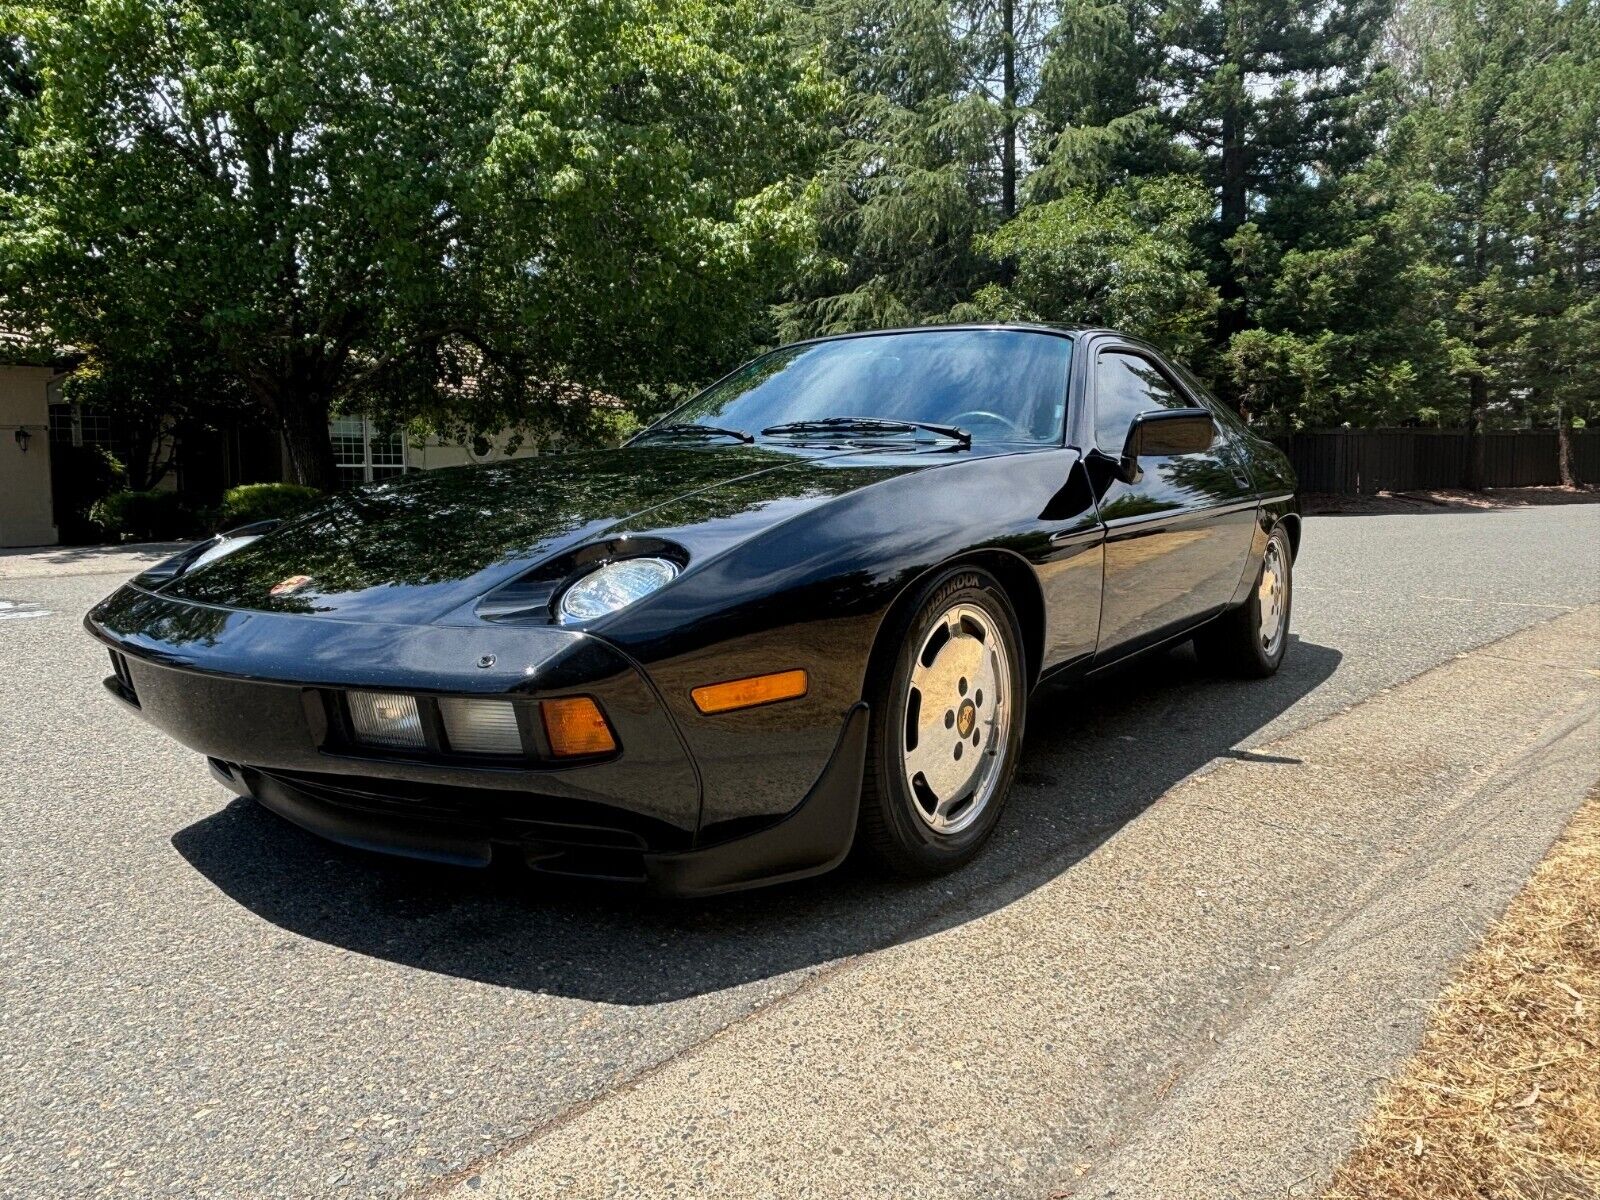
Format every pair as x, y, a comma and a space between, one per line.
285, 587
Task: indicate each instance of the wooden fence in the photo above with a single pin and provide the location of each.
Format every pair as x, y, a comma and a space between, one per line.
1362, 462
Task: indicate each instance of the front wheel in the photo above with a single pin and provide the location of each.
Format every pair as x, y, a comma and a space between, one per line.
947, 716
1250, 640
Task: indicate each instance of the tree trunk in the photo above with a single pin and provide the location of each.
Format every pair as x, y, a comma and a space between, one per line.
1564, 449
1476, 466
1008, 149
303, 417
1234, 202
1478, 389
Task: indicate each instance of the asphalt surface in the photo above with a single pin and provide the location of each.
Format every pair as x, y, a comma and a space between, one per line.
196, 999
1199, 1009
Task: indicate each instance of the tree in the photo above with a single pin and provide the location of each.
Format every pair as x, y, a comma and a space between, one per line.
1500, 137
156, 402
17, 87
1263, 102
1265, 96
931, 153
1345, 326
330, 195
1123, 259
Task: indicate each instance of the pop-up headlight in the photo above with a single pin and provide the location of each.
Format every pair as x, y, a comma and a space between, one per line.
613, 586
222, 547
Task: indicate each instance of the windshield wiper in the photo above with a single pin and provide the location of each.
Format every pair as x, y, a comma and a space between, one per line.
690, 429
868, 425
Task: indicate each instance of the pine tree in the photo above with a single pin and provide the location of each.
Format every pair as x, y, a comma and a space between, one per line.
1500, 139
931, 154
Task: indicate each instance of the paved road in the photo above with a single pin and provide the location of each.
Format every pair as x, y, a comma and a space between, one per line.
198, 1000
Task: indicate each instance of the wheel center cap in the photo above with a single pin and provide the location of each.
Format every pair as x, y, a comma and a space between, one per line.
966, 718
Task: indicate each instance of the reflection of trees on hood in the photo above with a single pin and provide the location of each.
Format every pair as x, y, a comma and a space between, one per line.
447, 525
133, 614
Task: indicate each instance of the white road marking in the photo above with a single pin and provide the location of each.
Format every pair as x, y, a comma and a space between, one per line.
20, 610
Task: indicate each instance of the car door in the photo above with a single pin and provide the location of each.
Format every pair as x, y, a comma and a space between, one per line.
1178, 533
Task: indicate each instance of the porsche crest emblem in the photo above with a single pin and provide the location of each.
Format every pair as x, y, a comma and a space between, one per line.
287, 587
966, 719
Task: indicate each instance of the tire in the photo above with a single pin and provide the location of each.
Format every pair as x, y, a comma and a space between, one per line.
1237, 643
960, 634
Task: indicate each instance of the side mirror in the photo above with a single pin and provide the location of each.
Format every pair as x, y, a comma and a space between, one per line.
1164, 431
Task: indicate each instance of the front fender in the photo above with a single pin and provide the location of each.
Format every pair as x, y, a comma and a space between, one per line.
812, 592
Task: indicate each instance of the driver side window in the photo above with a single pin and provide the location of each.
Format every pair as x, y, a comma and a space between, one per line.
1126, 385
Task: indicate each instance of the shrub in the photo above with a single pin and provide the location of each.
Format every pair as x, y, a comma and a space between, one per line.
252, 502
143, 516
80, 476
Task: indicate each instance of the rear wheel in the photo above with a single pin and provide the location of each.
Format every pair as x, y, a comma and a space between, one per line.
947, 716
1250, 640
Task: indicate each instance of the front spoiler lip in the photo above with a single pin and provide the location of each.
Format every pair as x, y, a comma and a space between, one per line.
813, 838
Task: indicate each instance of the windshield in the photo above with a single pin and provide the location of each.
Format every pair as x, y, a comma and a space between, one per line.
1001, 385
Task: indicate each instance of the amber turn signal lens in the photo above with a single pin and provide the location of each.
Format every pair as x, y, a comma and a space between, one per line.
747, 693
576, 726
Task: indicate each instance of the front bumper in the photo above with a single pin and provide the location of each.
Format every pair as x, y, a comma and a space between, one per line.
473, 830
251, 690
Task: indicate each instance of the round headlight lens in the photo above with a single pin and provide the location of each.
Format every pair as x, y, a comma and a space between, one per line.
613, 586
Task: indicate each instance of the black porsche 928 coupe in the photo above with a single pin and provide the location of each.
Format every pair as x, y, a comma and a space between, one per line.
804, 610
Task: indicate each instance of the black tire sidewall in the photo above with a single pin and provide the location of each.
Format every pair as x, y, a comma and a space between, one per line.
913, 845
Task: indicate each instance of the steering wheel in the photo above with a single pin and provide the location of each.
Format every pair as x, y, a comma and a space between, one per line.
993, 416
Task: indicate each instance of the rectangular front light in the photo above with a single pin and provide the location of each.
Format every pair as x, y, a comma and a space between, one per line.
480, 726
387, 719
749, 693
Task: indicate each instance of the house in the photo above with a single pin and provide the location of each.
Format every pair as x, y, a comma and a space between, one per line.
40, 435
43, 470
29, 381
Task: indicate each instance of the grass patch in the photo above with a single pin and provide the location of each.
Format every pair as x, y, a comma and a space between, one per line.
1502, 1100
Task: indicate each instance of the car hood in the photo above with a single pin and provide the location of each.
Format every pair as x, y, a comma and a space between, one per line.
416, 549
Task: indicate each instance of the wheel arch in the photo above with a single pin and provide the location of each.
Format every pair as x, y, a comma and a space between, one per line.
1291, 525
1015, 577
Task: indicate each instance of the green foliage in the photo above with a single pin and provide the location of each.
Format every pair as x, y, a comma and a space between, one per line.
252, 502
1124, 259
144, 516
1345, 327
910, 180
466, 216
377, 204
1497, 152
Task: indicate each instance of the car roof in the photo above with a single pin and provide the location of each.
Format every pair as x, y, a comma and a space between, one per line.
1059, 330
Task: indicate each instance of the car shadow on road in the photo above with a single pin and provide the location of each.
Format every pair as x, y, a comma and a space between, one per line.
1096, 756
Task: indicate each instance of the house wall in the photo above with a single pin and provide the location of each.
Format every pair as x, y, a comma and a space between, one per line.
25, 506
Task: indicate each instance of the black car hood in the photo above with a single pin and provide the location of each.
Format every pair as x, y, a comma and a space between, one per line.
412, 550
